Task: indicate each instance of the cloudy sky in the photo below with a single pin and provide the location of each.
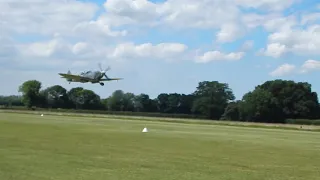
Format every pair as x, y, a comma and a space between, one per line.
160, 46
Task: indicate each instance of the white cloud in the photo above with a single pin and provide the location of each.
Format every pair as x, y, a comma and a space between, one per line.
56, 53
229, 32
61, 50
280, 23
275, 50
45, 49
198, 14
301, 42
291, 35
73, 34
165, 51
269, 5
68, 18
310, 65
176, 9
45, 17
271, 22
221, 15
247, 45
96, 30
75, 18
80, 48
219, 56
310, 18
186, 13
283, 70
134, 11
287, 69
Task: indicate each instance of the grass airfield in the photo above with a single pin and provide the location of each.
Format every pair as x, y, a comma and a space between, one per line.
34, 147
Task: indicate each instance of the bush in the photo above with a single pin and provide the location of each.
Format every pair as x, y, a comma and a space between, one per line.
303, 121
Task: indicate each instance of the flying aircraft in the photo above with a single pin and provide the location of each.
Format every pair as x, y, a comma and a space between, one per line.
89, 76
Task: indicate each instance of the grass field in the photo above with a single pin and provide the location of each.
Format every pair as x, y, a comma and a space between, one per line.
98, 148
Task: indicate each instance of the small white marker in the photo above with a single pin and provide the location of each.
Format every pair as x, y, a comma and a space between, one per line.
145, 129
41, 114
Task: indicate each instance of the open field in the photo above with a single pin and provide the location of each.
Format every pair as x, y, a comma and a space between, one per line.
173, 120
69, 147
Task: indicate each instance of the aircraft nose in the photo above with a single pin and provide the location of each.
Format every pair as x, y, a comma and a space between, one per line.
102, 74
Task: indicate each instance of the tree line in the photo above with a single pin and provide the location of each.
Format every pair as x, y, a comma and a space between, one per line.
271, 102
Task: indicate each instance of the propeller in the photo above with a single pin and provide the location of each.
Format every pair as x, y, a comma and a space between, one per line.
103, 72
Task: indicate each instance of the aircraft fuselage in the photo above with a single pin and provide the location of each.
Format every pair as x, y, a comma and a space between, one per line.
95, 77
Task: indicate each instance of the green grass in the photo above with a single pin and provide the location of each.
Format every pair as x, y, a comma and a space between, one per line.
93, 148
174, 120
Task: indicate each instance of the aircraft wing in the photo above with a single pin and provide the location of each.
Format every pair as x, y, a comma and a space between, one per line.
111, 79
75, 77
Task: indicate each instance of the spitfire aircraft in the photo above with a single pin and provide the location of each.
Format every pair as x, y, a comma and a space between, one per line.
89, 76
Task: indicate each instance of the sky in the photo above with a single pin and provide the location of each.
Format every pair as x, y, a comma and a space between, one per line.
159, 46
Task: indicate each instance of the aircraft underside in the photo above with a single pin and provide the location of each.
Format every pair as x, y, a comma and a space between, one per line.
101, 83
94, 82
86, 81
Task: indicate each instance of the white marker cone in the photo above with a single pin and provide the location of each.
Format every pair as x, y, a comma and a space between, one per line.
145, 130
41, 114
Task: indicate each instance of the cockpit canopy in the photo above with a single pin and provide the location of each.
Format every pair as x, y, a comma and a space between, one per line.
86, 72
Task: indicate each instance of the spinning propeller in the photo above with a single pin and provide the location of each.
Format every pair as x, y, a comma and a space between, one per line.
103, 72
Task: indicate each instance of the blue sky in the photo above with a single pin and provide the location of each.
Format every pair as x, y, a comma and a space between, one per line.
243, 43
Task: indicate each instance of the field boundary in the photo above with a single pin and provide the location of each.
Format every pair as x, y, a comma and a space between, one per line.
174, 120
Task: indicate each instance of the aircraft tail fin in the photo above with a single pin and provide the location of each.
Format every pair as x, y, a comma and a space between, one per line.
69, 79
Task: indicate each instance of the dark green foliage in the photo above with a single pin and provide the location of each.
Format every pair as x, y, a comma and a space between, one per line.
30, 93
55, 97
272, 102
260, 106
211, 98
174, 103
84, 99
296, 99
143, 103
275, 101
303, 121
9, 101
231, 112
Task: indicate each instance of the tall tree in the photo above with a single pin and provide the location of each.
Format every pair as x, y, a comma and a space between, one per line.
128, 102
275, 101
30, 92
144, 103
115, 101
56, 96
91, 100
105, 103
211, 98
260, 106
295, 98
186, 102
75, 97
232, 112
173, 103
162, 102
